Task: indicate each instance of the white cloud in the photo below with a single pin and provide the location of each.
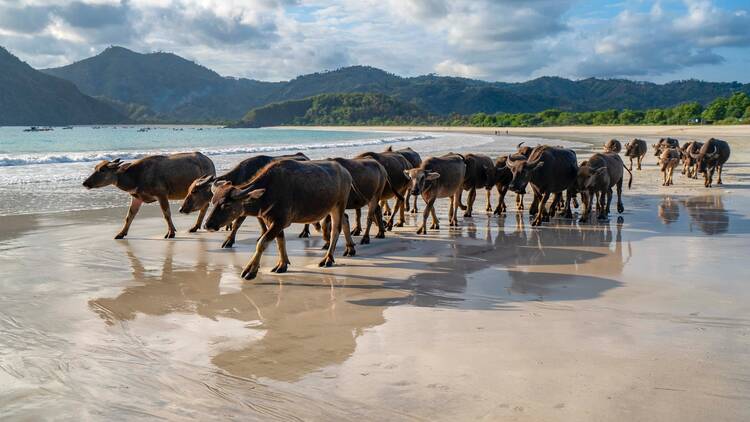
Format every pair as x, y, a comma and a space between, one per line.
279, 39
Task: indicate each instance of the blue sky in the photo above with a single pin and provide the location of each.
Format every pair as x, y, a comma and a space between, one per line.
505, 40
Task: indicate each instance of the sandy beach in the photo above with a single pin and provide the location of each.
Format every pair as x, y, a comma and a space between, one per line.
643, 317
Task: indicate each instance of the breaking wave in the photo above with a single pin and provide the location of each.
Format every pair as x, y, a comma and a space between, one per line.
7, 160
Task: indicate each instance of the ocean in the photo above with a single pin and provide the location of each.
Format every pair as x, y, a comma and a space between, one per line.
41, 172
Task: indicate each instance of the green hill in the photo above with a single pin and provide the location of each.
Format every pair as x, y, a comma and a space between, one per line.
333, 109
176, 89
29, 97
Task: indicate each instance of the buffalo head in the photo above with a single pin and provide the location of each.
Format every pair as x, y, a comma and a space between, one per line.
105, 174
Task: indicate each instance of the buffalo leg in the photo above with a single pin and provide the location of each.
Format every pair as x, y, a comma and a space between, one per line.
501, 191
541, 210
620, 206
164, 204
718, 182
470, 202
386, 208
425, 213
135, 205
283, 263
229, 242
453, 210
349, 251
381, 223
488, 208
586, 200
569, 197
435, 222
414, 209
519, 202
251, 269
336, 221
401, 215
305, 233
358, 226
609, 201
326, 227
373, 215
199, 221
631, 164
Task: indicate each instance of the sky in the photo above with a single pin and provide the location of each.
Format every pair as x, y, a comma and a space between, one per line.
496, 40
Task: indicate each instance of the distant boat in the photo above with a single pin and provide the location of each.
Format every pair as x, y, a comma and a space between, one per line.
68, 127
38, 129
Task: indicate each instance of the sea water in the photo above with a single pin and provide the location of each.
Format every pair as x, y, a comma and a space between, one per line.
41, 172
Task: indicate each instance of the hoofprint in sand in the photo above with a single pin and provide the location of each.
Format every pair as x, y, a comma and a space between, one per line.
645, 318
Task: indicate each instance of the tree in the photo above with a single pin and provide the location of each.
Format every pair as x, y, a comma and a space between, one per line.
737, 105
716, 111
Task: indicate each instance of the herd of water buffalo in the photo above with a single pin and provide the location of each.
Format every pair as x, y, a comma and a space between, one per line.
282, 190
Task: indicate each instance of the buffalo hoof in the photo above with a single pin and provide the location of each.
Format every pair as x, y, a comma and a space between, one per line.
400, 224
620, 208
228, 227
193, 229
435, 226
719, 183
453, 223
365, 240
583, 219
380, 235
350, 251
601, 217
413, 211
326, 246
386, 213
121, 235
389, 226
421, 230
227, 244
280, 268
356, 232
568, 214
305, 234
249, 273
326, 262
467, 215
169, 235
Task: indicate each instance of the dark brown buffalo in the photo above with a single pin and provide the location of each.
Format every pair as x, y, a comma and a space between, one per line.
549, 170
613, 145
668, 160
480, 174
369, 180
153, 178
438, 177
286, 192
200, 192
711, 157
637, 148
665, 143
415, 160
689, 164
394, 164
596, 177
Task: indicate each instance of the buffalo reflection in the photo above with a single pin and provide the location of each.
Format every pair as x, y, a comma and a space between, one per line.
708, 214
669, 210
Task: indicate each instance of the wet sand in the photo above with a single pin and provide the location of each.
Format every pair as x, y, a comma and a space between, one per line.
643, 318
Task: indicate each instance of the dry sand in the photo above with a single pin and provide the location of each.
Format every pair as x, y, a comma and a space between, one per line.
647, 318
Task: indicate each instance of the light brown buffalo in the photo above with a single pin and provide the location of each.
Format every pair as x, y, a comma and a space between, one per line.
637, 148
153, 178
668, 160
287, 192
438, 177
613, 145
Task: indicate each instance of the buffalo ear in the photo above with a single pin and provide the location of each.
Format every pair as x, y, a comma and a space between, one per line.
219, 183
600, 170
432, 176
407, 174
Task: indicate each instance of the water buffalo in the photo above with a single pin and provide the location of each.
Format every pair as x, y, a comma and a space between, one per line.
369, 180
637, 149
596, 177
200, 192
689, 165
613, 145
480, 174
665, 143
668, 160
438, 177
282, 193
153, 178
549, 170
415, 160
711, 157
394, 164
